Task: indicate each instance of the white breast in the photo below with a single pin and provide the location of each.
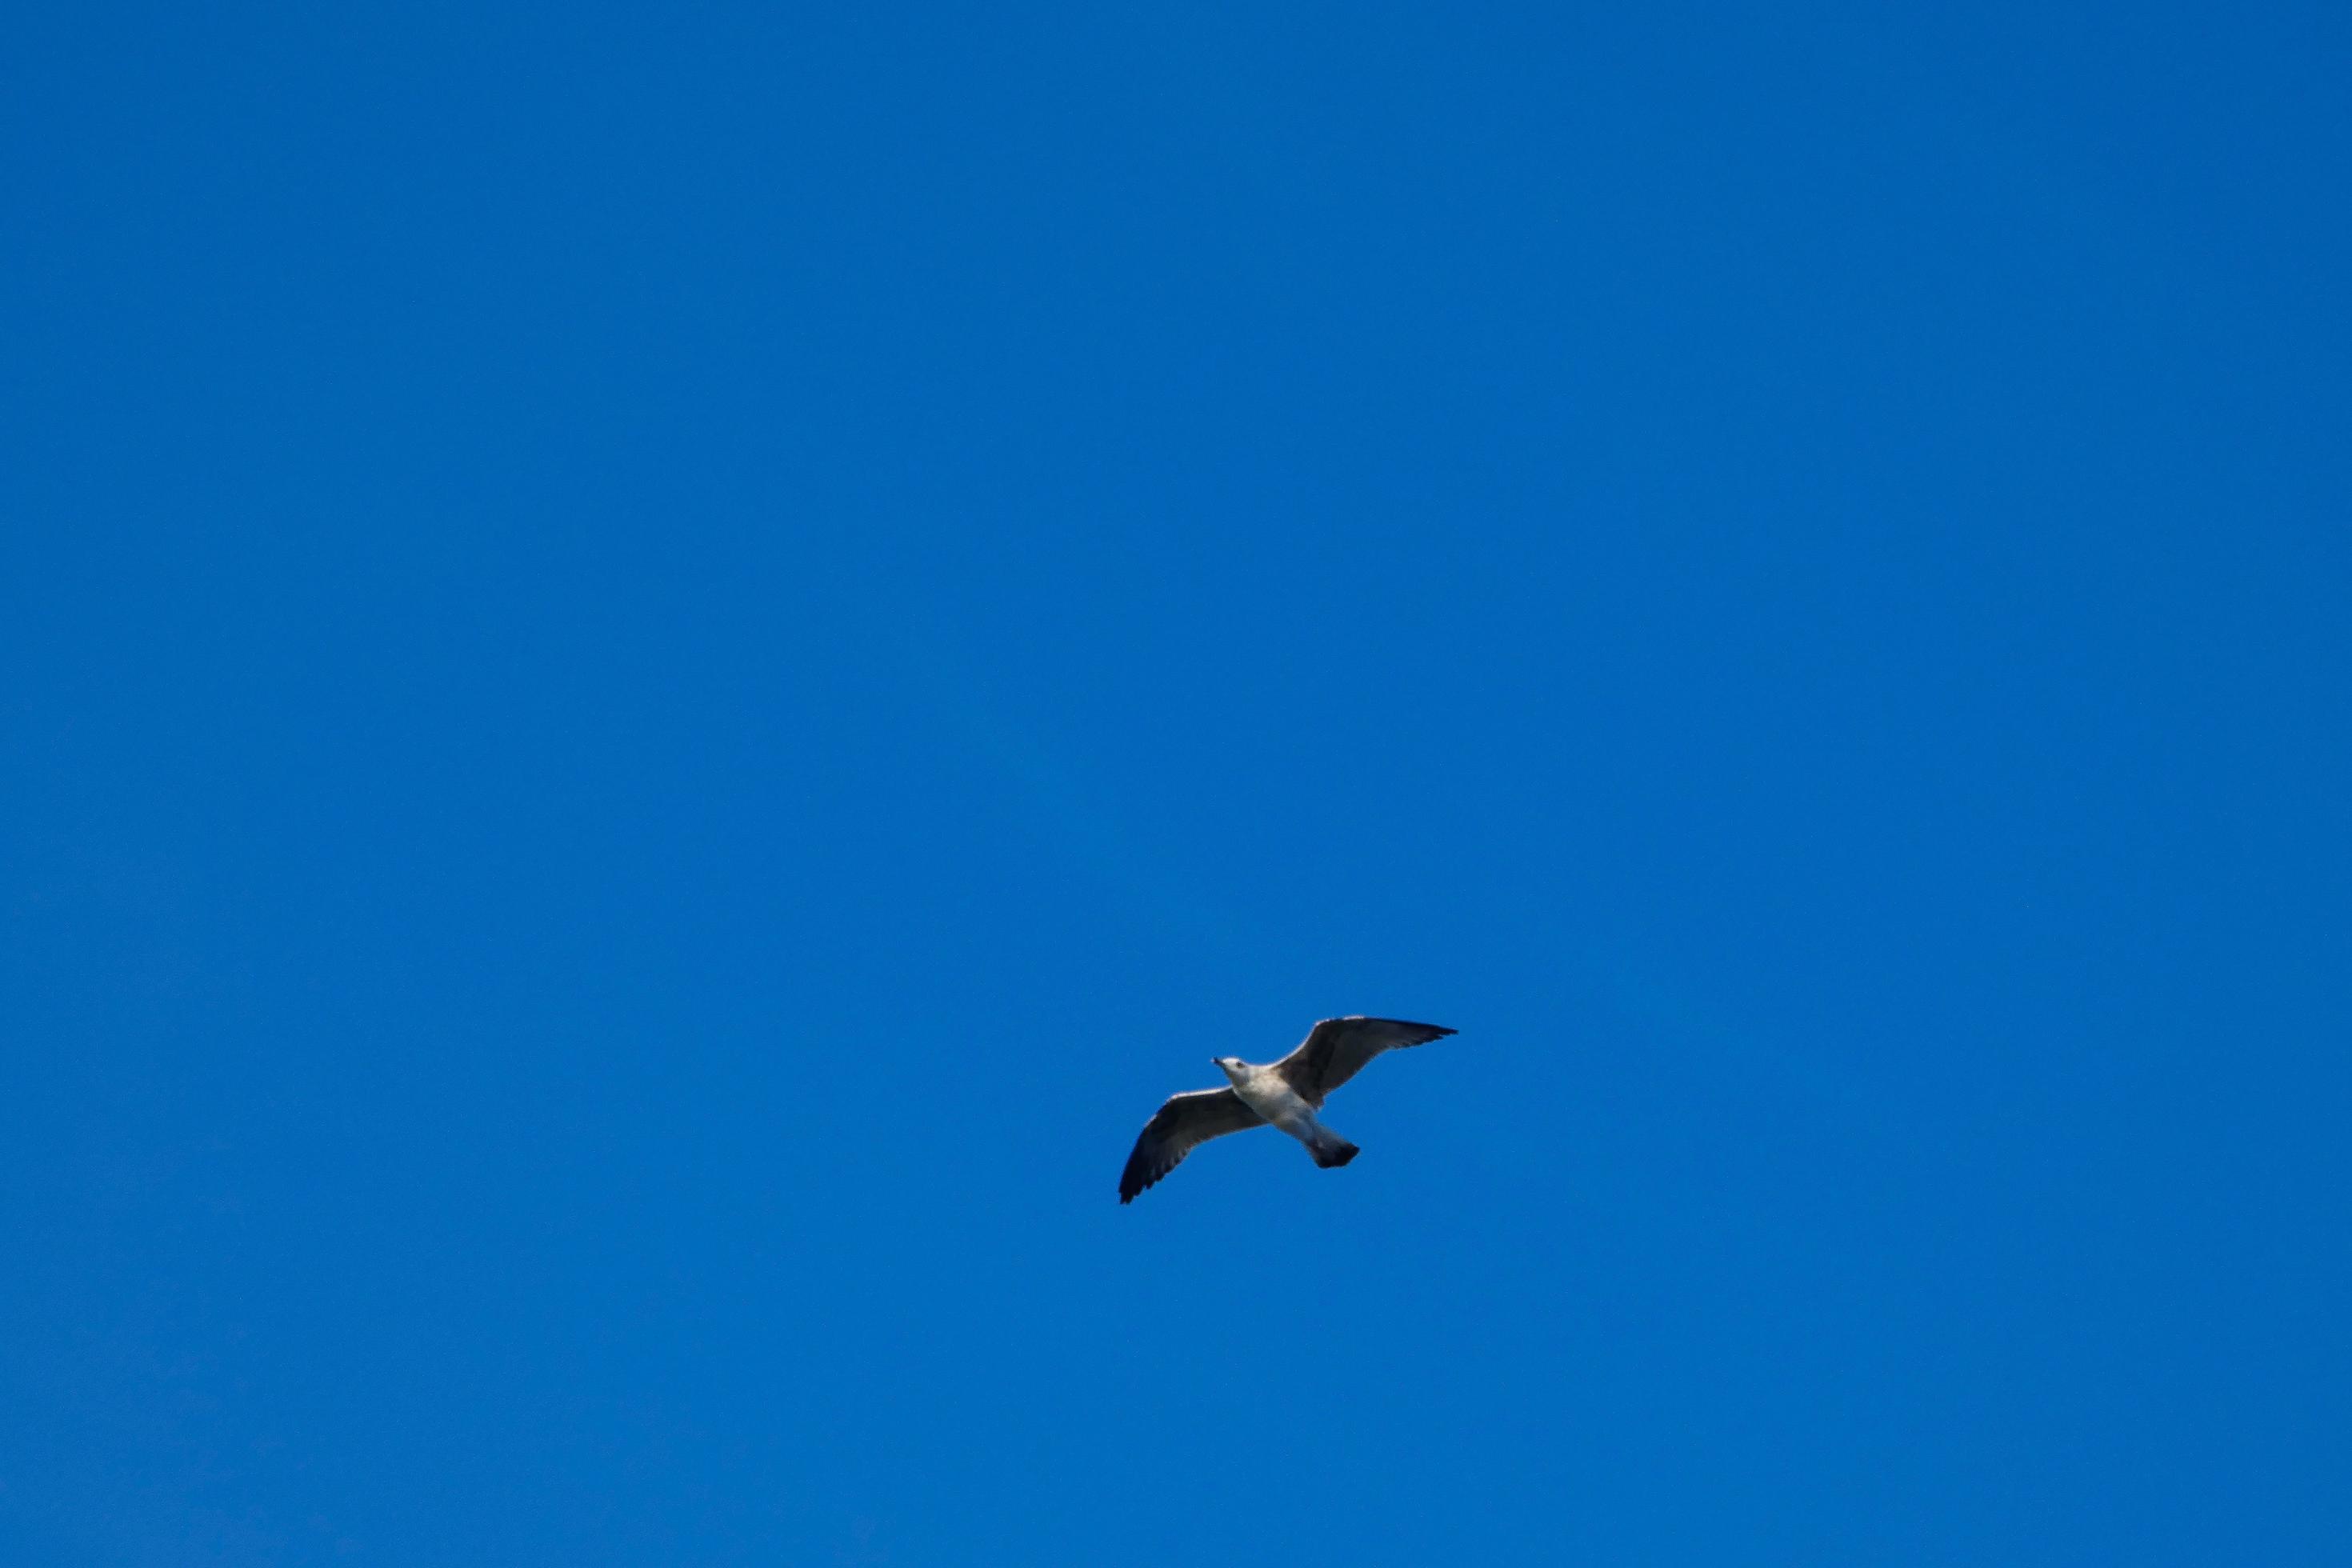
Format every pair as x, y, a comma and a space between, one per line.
1266, 1091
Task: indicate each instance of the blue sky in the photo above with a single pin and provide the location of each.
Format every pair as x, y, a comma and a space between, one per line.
663, 667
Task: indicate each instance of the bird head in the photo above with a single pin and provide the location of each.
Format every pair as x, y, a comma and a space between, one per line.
1233, 1066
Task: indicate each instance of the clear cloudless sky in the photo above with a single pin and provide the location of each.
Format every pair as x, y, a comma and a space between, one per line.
663, 666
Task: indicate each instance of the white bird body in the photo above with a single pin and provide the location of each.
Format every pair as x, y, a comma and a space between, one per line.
1285, 1094
1263, 1090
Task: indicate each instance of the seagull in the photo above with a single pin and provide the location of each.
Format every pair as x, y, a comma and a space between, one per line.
1286, 1093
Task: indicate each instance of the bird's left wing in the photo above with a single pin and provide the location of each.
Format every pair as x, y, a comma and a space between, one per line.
1185, 1122
1336, 1049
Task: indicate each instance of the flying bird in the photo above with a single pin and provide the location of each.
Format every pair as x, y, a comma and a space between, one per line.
1286, 1093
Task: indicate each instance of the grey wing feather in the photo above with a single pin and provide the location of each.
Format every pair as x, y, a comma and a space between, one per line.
1185, 1122
1336, 1049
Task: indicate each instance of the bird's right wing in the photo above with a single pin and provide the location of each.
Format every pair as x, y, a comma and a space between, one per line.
1336, 1050
1185, 1122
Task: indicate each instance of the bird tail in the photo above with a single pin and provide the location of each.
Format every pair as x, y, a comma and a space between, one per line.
1330, 1150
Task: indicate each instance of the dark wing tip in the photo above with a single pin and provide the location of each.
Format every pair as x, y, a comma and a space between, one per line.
1146, 1165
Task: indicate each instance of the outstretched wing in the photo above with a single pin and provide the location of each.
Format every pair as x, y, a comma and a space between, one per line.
1182, 1124
1336, 1049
